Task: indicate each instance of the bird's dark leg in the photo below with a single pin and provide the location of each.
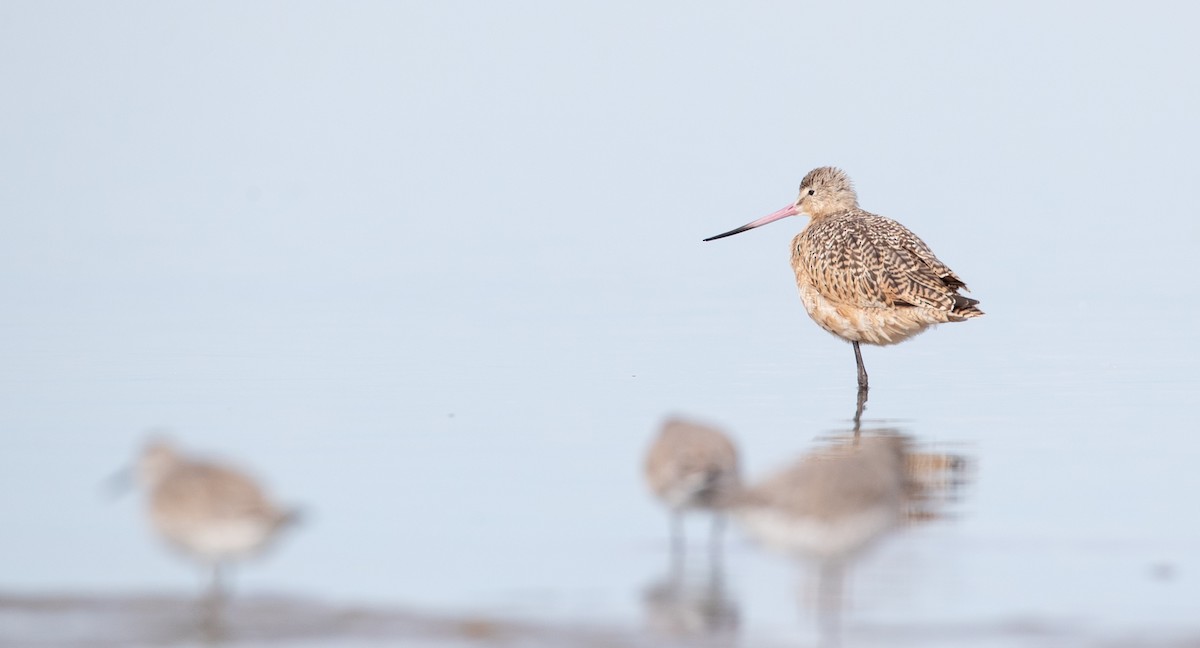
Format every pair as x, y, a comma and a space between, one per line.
677, 543
212, 622
714, 541
829, 603
216, 590
858, 410
862, 389
862, 370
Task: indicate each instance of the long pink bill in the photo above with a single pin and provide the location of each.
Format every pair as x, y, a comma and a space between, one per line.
790, 210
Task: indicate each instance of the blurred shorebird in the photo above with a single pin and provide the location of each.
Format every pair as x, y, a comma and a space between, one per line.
863, 277
212, 512
829, 506
692, 467
833, 502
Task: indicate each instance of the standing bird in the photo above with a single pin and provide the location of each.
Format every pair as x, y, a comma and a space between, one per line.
213, 512
692, 466
832, 502
864, 277
829, 506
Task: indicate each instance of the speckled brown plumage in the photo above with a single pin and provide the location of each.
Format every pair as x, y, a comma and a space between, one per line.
867, 278
863, 277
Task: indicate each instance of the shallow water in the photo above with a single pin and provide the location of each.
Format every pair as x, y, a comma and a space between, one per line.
437, 283
465, 481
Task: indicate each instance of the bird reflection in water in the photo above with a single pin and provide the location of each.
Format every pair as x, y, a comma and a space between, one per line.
692, 467
828, 507
936, 480
833, 503
691, 605
213, 513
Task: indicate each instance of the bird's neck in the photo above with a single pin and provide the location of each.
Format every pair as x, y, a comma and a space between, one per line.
832, 212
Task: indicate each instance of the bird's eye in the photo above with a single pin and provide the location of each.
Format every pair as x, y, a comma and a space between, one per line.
812, 191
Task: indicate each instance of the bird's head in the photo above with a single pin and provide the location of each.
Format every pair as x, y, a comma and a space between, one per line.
824, 191
158, 458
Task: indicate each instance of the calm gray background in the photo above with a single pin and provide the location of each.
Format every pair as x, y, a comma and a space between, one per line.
434, 272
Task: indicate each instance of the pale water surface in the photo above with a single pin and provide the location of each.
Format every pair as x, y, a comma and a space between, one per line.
436, 276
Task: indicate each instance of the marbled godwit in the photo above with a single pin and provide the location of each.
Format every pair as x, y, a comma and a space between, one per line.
214, 513
863, 277
692, 466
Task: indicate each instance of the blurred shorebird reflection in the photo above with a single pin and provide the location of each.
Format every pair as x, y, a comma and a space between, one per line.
828, 507
691, 466
214, 513
936, 480
692, 604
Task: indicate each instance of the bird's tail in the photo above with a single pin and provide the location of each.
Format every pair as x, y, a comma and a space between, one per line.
965, 308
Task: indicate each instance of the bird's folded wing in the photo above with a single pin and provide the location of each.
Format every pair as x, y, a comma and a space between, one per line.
877, 263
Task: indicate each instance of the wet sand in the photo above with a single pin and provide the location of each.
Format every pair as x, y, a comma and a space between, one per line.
104, 621
265, 620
